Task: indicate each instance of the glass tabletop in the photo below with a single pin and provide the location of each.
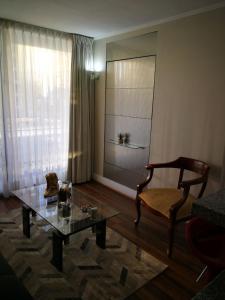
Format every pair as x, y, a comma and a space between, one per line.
76, 219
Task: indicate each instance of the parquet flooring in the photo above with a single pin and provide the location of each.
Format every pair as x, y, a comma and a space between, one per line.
178, 281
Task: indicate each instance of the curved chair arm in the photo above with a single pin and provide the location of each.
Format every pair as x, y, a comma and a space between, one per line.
151, 167
171, 164
147, 180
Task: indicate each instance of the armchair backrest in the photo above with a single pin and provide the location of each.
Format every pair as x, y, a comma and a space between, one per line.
196, 166
193, 165
182, 163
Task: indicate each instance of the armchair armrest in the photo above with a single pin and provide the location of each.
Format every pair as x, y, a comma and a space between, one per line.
171, 164
147, 180
151, 167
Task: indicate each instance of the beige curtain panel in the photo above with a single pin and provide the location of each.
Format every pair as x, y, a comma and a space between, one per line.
80, 165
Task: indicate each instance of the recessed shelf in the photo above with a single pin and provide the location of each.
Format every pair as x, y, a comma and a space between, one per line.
127, 116
131, 146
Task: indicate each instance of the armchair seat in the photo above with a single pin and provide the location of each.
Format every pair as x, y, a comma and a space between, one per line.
161, 199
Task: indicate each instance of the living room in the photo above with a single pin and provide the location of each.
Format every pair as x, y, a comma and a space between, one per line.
186, 116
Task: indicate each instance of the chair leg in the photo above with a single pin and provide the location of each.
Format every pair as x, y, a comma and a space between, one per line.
138, 207
171, 237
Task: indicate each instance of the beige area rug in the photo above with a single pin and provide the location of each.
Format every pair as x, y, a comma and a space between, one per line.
89, 271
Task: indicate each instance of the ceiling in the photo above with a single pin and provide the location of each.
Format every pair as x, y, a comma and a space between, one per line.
98, 18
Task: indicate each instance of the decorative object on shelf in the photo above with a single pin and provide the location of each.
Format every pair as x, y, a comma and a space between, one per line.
131, 146
126, 138
120, 138
52, 185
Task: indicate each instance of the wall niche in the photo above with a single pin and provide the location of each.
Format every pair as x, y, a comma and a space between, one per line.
130, 70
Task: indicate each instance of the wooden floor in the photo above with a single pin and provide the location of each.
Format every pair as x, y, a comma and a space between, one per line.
178, 281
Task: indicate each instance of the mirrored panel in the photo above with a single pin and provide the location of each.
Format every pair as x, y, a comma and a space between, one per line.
129, 99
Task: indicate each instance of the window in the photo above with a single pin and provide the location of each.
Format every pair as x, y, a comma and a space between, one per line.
36, 104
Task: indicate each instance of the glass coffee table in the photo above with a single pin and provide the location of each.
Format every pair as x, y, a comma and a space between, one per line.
34, 203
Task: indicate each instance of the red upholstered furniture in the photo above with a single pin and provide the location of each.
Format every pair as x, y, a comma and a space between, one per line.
207, 242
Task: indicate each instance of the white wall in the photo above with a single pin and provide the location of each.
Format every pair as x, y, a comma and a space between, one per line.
189, 101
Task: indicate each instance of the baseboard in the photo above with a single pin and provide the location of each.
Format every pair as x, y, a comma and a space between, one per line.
115, 186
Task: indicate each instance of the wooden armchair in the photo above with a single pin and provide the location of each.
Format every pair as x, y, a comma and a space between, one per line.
174, 204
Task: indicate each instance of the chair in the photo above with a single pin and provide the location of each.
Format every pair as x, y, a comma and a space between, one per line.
207, 243
174, 204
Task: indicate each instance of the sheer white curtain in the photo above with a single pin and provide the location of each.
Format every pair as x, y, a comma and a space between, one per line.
34, 110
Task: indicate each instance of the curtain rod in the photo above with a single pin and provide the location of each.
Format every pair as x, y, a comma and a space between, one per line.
41, 27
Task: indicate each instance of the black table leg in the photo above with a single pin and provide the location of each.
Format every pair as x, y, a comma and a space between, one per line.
26, 220
101, 234
57, 250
